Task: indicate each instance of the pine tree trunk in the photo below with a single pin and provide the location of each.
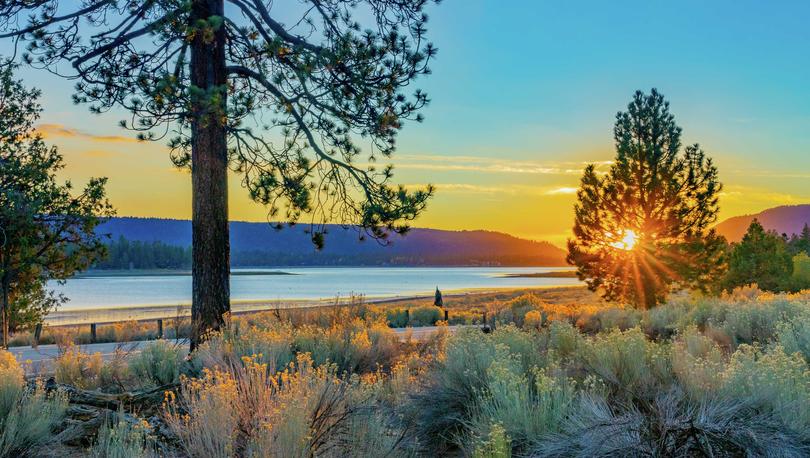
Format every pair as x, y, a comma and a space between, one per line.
210, 244
5, 287
5, 312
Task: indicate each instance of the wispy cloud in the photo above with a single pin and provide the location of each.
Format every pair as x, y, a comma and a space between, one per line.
473, 188
562, 190
469, 188
751, 194
59, 130
490, 165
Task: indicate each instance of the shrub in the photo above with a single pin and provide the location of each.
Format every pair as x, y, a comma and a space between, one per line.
397, 318
794, 335
627, 360
670, 424
608, 318
27, 414
756, 321
356, 346
158, 363
526, 406
534, 319
564, 339
496, 445
124, 439
698, 363
271, 346
451, 392
514, 311
523, 345
248, 412
425, 316
662, 322
74, 367
773, 380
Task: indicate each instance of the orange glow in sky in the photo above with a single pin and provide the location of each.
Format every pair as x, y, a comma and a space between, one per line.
512, 122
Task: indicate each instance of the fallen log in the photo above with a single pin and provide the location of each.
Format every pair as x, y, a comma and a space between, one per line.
146, 400
88, 411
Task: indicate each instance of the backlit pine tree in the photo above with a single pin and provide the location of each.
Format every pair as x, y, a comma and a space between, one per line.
643, 227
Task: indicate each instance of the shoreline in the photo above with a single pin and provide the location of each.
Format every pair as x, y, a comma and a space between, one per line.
116, 273
164, 311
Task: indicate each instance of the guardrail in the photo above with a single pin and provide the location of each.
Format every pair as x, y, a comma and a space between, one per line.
159, 322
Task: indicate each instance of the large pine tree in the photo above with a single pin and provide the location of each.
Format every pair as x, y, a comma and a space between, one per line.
644, 226
301, 98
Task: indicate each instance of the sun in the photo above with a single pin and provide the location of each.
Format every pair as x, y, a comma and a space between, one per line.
627, 241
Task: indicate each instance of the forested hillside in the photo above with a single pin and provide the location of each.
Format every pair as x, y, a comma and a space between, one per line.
164, 243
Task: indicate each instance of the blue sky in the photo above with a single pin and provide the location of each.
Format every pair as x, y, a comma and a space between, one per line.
525, 92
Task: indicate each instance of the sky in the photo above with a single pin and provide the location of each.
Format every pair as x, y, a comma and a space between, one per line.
523, 96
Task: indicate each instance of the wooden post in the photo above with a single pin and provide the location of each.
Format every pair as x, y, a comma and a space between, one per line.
485, 318
407, 317
37, 334
160, 328
93, 332
445, 317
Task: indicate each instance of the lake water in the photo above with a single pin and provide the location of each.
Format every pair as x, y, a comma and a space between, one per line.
306, 283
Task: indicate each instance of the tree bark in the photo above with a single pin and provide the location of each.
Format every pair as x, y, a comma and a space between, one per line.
5, 286
6, 315
209, 164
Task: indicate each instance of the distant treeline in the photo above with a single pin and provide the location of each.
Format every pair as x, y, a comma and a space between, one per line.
135, 254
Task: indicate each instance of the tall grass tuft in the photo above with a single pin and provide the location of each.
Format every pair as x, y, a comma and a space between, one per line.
670, 424
119, 438
157, 364
28, 415
300, 412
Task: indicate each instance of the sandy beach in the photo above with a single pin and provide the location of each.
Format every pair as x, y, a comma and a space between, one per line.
165, 311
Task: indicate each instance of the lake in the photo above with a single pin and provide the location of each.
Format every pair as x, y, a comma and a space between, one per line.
304, 283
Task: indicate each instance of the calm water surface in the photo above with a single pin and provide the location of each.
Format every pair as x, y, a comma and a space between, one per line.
307, 283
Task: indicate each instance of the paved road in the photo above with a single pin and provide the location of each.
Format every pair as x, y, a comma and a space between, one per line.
40, 358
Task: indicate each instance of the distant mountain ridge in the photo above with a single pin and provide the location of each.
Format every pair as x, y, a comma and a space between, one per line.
258, 244
786, 219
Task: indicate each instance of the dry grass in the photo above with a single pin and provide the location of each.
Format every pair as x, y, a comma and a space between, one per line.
698, 375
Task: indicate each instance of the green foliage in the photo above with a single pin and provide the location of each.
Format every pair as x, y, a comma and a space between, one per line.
800, 279
454, 390
158, 363
659, 196
772, 380
793, 335
334, 96
425, 316
670, 424
121, 438
47, 232
627, 361
526, 404
397, 317
761, 258
800, 243
415, 316
496, 445
125, 254
28, 415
